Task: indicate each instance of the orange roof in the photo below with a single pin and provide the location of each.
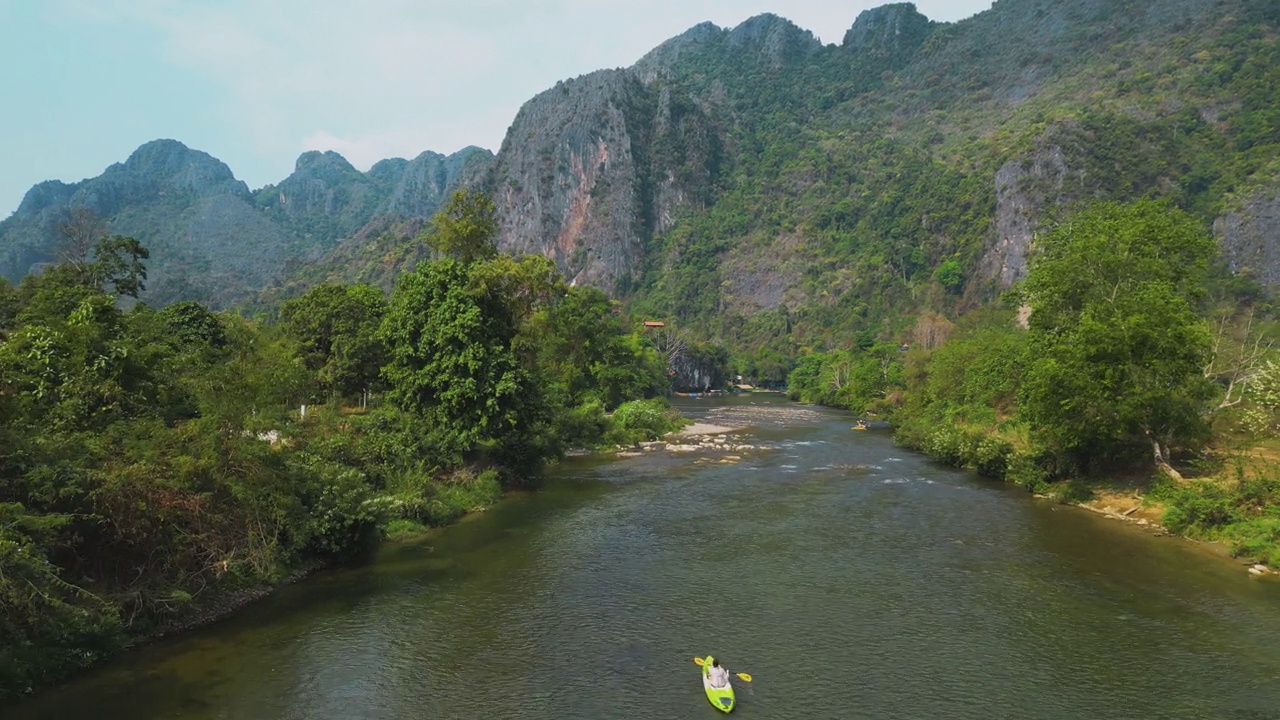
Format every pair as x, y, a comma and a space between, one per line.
654, 323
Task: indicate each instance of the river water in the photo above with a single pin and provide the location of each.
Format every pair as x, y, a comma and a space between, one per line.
851, 578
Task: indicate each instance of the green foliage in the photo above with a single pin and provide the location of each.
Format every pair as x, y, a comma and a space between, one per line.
337, 328
162, 454
861, 380
950, 275
48, 626
1244, 512
344, 515
118, 264
1118, 348
583, 426
461, 494
466, 228
973, 378
1111, 368
258, 379
585, 348
193, 325
8, 307
641, 420
450, 355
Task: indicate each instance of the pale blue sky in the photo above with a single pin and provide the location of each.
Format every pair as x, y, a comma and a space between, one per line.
257, 82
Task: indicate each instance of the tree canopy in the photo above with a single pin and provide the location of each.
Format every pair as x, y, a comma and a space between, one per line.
1117, 345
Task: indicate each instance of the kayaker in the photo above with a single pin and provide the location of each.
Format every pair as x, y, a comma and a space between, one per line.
717, 675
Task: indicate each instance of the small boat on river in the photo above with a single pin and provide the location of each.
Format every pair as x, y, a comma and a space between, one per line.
721, 697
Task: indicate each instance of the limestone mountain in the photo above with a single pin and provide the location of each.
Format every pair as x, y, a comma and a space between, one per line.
391, 241
207, 239
213, 240
327, 199
774, 192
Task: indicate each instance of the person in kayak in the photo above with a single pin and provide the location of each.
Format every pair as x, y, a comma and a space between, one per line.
717, 675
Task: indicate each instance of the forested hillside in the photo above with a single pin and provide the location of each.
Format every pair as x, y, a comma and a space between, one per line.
909, 170
765, 190
775, 195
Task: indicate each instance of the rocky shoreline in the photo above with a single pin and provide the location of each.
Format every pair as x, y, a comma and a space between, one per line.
698, 437
1131, 508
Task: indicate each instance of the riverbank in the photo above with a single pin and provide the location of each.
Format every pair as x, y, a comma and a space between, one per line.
1229, 505
1146, 515
1160, 508
223, 606
598, 560
345, 522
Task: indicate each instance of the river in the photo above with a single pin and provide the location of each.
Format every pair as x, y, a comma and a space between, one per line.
851, 578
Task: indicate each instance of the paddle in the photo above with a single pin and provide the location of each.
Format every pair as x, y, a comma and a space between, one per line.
700, 662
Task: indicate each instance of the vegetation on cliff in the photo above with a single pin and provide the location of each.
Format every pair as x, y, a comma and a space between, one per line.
908, 170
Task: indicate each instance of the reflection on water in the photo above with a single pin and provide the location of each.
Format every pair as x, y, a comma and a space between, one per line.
852, 579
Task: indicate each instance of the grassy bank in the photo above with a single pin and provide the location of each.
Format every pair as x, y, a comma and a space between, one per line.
1231, 497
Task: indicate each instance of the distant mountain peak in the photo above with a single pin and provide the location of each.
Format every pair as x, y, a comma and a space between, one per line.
175, 164
313, 160
888, 28
758, 27
42, 195
667, 52
775, 37
780, 39
160, 146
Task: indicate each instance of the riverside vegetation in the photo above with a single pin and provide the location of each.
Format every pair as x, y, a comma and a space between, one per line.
1122, 354
154, 463
805, 210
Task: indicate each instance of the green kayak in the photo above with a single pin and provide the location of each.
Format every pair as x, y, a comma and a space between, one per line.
721, 697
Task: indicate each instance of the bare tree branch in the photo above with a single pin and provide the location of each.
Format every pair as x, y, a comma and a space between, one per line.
79, 228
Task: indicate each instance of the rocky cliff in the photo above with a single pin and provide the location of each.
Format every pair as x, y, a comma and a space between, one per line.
596, 167
1250, 234
325, 197
891, 30
1030, 189
422, 185
593, 167
568, 183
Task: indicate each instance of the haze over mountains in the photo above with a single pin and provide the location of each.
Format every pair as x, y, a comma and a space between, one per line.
771, 189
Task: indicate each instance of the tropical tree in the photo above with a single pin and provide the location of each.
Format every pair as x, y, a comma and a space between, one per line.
337, 327
450, 356
585, 347
465, 228
1118, 347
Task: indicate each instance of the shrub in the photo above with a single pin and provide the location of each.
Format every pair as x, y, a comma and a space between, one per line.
462, 494
1197, 507
641, 420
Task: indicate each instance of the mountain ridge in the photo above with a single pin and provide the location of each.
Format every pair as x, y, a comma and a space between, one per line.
750, 178
214, 240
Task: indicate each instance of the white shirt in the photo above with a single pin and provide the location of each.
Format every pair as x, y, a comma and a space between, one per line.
718, 676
